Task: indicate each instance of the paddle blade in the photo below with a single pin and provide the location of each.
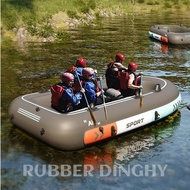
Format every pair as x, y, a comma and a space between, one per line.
105, 111
92, 116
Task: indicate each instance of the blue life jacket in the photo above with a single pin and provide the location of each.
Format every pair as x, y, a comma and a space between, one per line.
79, 72
64, 97
90, 90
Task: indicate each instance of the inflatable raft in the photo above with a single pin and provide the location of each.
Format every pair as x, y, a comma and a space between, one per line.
173, 34
74, 130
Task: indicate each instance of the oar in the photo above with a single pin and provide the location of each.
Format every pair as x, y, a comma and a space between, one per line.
105, 109
90, 110
140, 93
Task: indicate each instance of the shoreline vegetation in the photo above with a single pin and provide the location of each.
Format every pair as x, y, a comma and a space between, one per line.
47, 21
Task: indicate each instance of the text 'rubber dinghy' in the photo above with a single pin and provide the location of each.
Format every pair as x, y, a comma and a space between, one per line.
75, 130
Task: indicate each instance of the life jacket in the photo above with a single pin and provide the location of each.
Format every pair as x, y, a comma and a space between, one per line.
97, 88
71, 69
112, 80
77, 85
124, 78
74, 69
109, 72
92, 89
57, 100
110, 65
56, 94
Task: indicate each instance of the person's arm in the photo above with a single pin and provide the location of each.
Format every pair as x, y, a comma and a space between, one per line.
120, 66
130, 82
90, 92
141, 73
71, 97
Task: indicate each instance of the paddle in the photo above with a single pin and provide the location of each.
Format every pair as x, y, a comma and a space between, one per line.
140, 93
90, 110
105, 109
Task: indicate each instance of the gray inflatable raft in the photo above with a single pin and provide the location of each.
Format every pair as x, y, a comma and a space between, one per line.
173, 34
75, 130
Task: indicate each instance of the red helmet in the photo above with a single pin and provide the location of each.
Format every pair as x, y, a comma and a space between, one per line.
132, 67
87, 71
67, 77
119, 57
81, 62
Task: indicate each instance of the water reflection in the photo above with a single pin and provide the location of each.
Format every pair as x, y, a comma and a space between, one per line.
160, 47
171, 62
27, 151
119, 150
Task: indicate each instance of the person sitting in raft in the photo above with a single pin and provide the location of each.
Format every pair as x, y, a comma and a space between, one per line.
77, 70
129, 80
113, 67
79, 65
92, 89
64, 98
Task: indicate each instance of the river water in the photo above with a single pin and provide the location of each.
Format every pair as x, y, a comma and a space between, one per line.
155, 157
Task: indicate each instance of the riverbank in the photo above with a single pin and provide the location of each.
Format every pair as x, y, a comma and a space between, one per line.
48, 22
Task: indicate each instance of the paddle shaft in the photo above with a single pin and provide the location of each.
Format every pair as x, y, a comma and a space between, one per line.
105, 109
140, 93
90, 110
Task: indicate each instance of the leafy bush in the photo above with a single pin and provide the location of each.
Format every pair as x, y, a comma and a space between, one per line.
177, 7
156, 3
31, 27
140, 1
9, 16
150, 3
45, 31
85, 6
72, 14
175, 1
62, 36
167, 5
186, 2
97, 15
91, 4
85, 9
